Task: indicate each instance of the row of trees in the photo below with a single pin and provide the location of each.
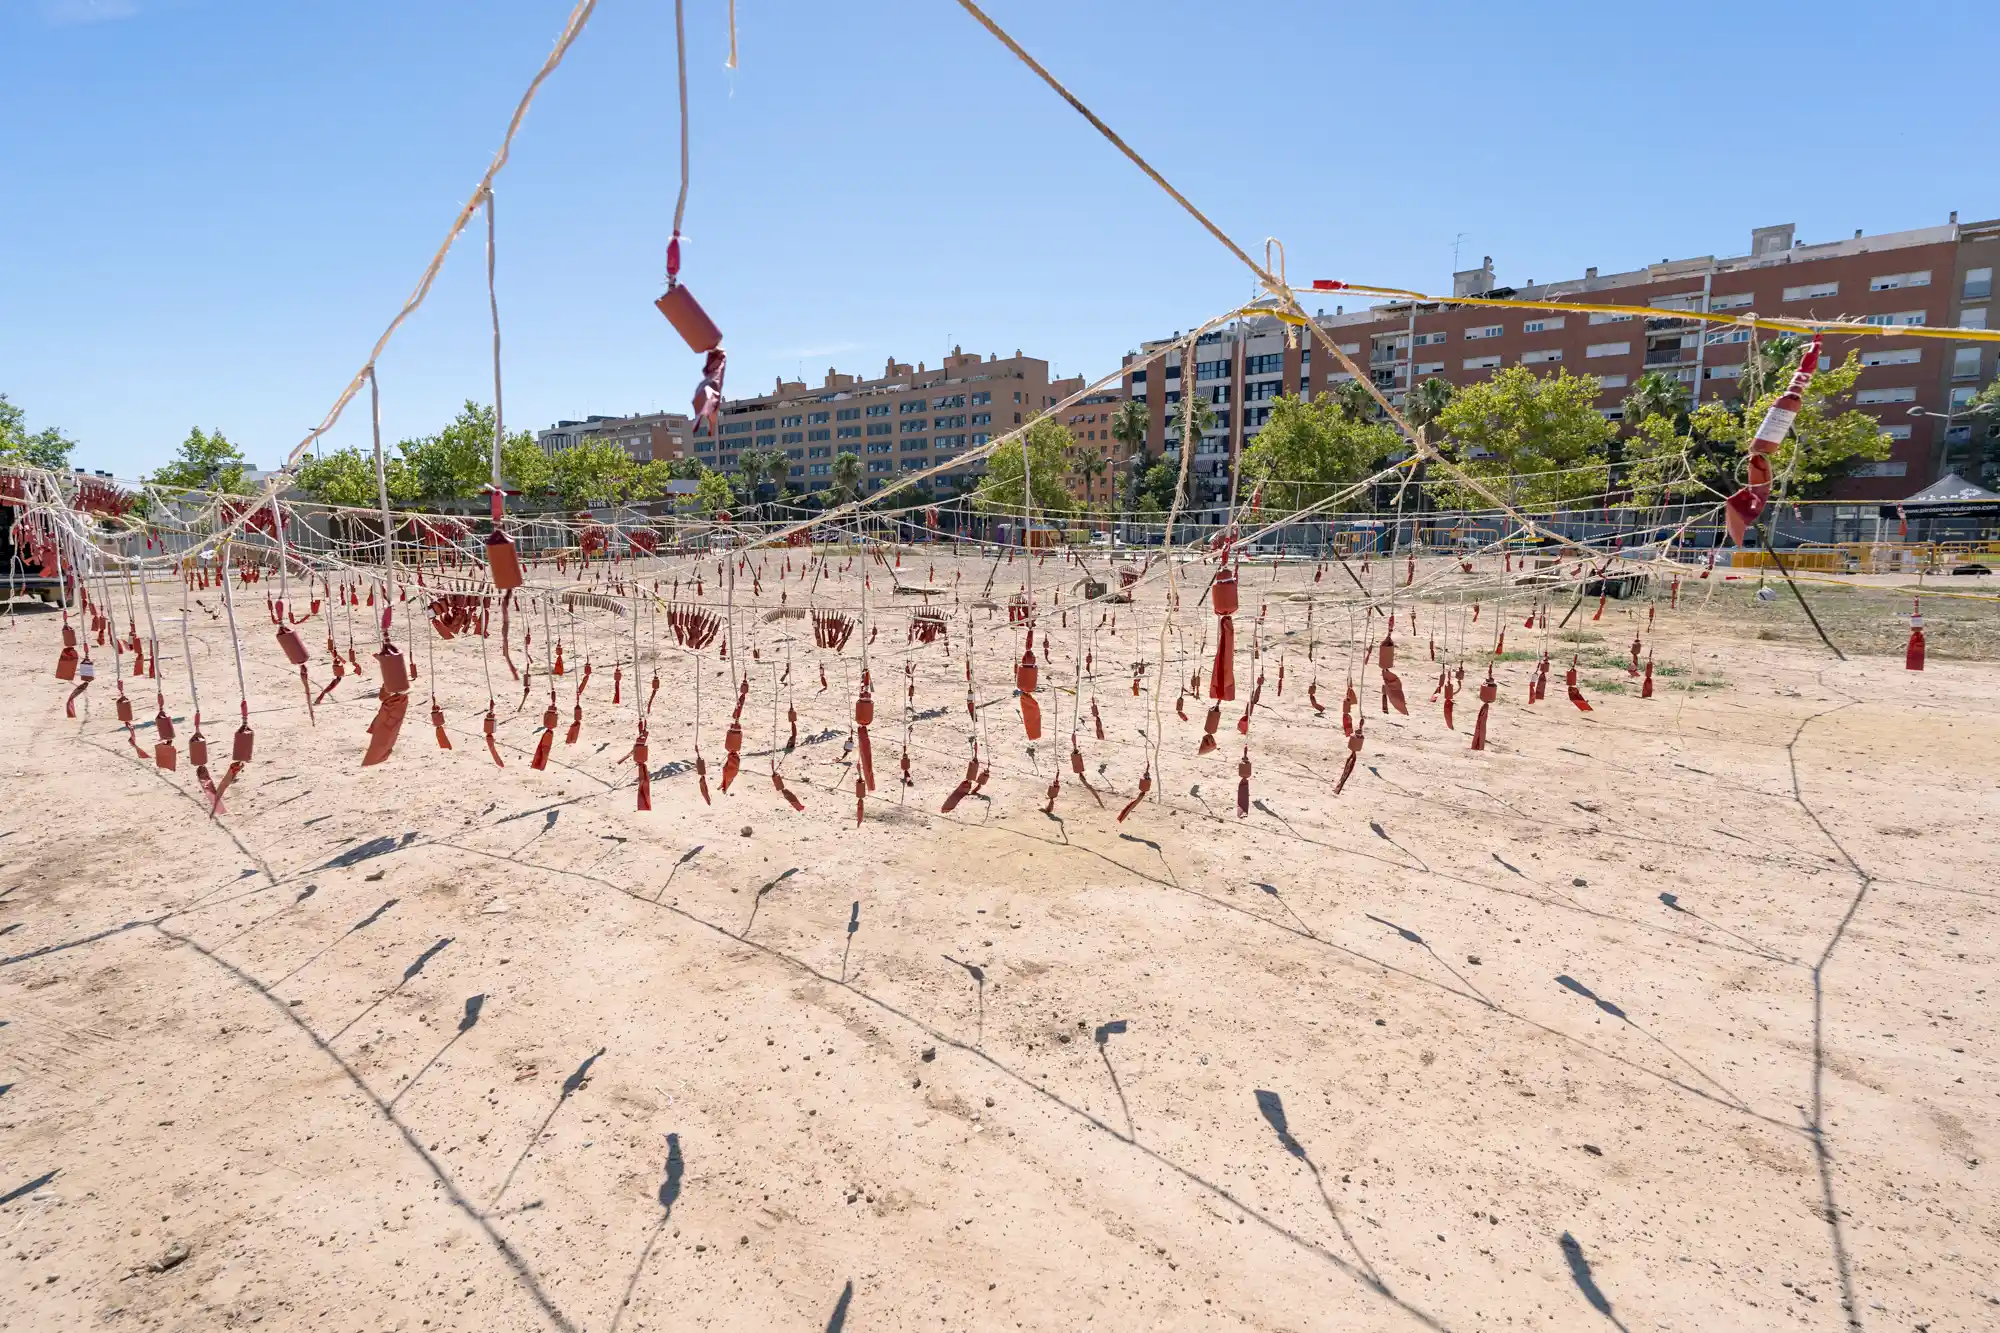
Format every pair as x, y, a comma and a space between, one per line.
1539, 441
1536, 440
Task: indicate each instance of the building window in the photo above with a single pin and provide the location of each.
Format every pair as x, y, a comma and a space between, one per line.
1262, 389
982, 418
1608, 349
948, 442
1959, 398
979, 437
946, 423
1978, 284
847, 414
881, 465
766, 441
1901, 356
1266, 363
798, 471
820, 434
1254, 417
1965, 363
1723, 372
1430, 367
918, 446
792, 421
1892, 320
1433, 339
819, 469
880, 428
1542, 357
1482, 362
1611, 413
1736, 301
983, 397
880, 448
795, 436
728, 428
1489, 331
847, 432
1211, 370
820, 451
1889, 282
1728, 336
952, 400
729, 460
1612, 382
910, 427
1812, 291
1601, 318
914, 405
1972, 319
878, 409
795, 453
1899, 432
1889, 468
816, 419
1542, 325
703, 447
1886, 396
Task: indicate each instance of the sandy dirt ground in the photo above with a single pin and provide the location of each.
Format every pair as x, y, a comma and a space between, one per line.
1678, 1014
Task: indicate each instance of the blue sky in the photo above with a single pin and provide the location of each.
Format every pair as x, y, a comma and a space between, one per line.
212, 207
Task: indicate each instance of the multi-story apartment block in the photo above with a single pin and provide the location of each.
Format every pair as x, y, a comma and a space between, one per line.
1914, 386
646, 437
905, 420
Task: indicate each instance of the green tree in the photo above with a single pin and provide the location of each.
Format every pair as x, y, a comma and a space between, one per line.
1668, 461
712, 493
1204, 418
47, 448
846, 482
1829, 439
1048, 443
1533, 439
345, 477
1657, 394
1428, 403
1305, 449
1128, 426
1153, 488
1087, 462
204, 462
593, 470
457, 463
1353, 398
1769, 365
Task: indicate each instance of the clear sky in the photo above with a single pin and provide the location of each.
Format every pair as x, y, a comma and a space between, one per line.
210, 208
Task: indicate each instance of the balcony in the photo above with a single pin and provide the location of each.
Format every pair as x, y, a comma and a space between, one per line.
1669, 356
1663, 324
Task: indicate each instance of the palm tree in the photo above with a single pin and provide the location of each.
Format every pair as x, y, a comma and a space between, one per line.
1768, 364
1428, 403
777, 469
1085, 460
1128, 426
1353, 399
846, 484
1657, 394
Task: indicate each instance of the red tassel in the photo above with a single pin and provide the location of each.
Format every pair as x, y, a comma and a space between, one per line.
641, 754
437, 722
1243, 785
1222, 674
1646, 686
1913, 656
1145, 786
1575, 694
1208, 727
1354, 743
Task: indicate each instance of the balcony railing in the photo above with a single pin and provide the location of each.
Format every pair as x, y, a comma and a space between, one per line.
1667, 356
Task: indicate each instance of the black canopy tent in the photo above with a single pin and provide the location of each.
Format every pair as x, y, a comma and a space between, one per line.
1952, 503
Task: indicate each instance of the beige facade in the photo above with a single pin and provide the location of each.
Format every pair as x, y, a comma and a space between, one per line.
646, 437
905, 420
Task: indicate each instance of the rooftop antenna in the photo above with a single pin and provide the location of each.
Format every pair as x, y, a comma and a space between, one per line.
1456, 241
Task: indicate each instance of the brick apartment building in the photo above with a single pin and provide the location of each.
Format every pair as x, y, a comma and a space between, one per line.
905, 420
1933, 275
646, 436
1089, 421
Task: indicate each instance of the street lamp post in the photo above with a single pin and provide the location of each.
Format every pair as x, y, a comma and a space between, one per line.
1948, 416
